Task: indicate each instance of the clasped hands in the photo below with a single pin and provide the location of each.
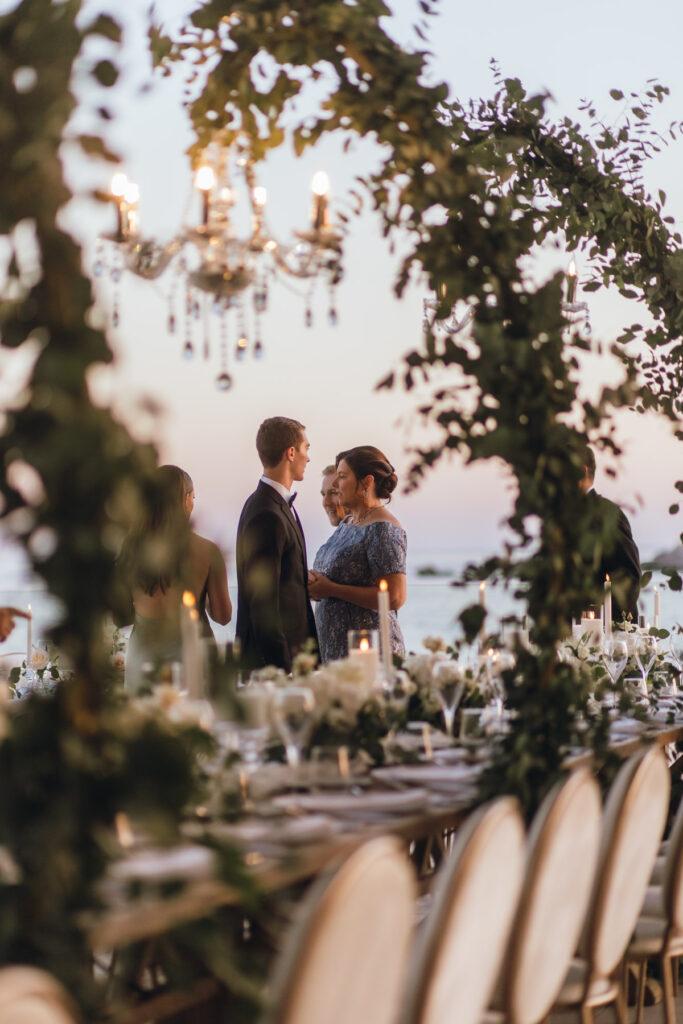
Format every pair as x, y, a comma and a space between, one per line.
319, 586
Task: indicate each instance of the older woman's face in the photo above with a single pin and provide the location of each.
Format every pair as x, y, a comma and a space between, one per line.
346, 484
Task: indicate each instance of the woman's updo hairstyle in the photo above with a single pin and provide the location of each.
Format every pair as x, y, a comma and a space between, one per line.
368, 461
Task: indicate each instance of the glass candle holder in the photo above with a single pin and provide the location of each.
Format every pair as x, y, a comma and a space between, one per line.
364, 652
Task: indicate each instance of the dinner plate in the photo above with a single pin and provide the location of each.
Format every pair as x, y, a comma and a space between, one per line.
362, 805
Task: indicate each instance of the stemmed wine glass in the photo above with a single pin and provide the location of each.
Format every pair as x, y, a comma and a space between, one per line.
294, 706
615, 656
449, 686
676, 647
645, 654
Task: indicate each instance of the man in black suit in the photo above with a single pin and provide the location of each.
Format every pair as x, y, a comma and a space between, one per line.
614, 550
274, 614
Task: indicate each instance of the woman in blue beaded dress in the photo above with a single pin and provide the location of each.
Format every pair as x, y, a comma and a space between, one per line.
368, 546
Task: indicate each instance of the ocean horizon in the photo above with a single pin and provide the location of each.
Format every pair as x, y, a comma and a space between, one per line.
432, 606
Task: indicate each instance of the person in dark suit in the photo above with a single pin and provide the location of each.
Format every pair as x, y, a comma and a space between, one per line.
614, 550
274, 614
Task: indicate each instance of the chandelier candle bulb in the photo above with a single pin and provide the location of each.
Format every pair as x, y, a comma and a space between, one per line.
608, 608
384, 628
320, 187
657, 610
119, 184
191, 647
204, 181
571, 281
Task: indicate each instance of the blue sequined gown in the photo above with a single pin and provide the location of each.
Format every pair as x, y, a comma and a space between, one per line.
358, 556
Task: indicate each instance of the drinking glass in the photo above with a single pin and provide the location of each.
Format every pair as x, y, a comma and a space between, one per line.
470, 727
255, 701
645, 654
294, 706
615, 656
449, 686
676, 647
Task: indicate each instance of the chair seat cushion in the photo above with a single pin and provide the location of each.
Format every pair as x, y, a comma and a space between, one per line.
601, 990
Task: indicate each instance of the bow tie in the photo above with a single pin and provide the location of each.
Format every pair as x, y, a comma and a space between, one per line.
290, 499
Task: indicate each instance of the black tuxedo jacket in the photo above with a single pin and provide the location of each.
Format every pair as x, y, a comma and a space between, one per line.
615, 553
274, 614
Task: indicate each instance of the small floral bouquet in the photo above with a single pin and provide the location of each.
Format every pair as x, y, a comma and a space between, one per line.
117, 643
41, 676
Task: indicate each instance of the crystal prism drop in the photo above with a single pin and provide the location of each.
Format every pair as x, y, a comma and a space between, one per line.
98, 268
115, 318
308, 319
171, 324
188, 350
116, 274
258, 349
224, 381
332, 317
239, 352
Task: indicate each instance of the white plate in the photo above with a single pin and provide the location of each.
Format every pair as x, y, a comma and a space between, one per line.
363, 805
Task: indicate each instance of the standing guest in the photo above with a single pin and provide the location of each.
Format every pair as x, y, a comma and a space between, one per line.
7, 616
159, 561
368, 546
330, 495
614, 551
274, 614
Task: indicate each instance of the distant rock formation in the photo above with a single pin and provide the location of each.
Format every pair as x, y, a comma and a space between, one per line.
672, 559
433, 570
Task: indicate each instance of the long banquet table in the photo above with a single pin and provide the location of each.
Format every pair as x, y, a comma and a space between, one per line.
278, 868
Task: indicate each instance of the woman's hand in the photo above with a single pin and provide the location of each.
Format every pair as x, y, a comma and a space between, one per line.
319, 586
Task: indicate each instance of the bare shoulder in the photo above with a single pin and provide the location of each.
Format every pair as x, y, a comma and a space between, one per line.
385, 516
205, 550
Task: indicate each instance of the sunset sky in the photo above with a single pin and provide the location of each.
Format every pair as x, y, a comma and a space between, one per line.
325, 376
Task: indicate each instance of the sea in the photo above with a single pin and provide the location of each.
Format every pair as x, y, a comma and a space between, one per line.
432, 606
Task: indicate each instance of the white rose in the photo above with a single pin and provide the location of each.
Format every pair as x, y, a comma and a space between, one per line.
39, 658
434, 644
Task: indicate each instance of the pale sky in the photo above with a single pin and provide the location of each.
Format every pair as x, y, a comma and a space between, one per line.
325, 376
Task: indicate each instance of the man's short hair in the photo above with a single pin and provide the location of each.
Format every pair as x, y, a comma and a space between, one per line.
589, 461
275, 436
329, 470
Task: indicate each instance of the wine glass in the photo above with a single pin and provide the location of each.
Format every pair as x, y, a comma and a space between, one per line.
676, 646
615, 656
645, 654
449, 686
294, 706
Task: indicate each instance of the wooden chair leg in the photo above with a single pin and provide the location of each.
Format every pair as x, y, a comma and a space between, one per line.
674, 969
586, 1014
669, 1001
620, 1006
640, 991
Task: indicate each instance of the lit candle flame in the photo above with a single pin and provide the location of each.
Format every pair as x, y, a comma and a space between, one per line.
259, 195
383, 585
607, 579
132, 193
571, 269
124, 832
591, 614
343, 756
188, 599
364, 644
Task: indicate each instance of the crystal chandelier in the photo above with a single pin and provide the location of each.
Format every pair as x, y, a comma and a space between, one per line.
577, 313
216, 271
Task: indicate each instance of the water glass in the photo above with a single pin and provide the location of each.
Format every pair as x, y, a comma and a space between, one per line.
255, 703
293, 709
471, 732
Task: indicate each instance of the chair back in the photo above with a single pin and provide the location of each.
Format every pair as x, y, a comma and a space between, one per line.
30, 996
634, 818
345, 959
459, 951
562, 855
673, 875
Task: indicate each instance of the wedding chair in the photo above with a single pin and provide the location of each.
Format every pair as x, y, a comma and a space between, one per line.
458, 953
30, 996
659, 931
345, 959
561, 859
633, 821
